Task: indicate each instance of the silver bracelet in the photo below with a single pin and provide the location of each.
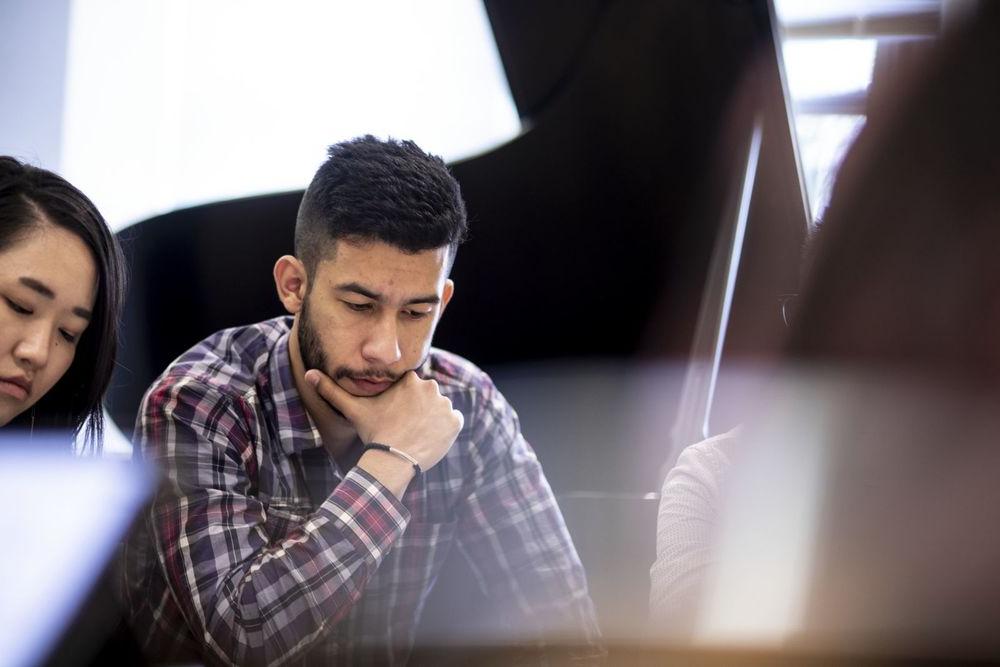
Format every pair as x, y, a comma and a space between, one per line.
396, 452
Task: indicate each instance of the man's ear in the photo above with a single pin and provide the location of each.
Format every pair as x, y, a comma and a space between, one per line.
446, 294
291, 282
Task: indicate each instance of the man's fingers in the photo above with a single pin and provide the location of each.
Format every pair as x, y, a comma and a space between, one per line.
332, 393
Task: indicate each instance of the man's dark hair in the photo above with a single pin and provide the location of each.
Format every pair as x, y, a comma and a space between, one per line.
373, 190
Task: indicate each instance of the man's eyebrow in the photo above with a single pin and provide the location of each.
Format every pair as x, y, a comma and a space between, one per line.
46, 291
430, 298
359, 289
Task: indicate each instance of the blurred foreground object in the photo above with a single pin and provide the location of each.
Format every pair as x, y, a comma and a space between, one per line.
862, 509
63, 518
860, 519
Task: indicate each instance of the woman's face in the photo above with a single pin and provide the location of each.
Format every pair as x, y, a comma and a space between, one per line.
48, 284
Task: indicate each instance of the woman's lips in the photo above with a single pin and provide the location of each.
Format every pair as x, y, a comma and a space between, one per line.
15, 388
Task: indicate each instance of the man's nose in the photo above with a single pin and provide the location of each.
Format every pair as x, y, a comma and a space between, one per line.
382, 345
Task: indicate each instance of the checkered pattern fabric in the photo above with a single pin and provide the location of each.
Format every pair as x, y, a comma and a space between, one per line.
259, 549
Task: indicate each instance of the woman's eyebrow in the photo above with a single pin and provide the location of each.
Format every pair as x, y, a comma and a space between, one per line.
37, 286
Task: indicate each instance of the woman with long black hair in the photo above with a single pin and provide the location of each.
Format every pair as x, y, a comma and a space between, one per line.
62, 284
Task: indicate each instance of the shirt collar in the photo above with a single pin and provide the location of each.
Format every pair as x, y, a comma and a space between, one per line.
295, 428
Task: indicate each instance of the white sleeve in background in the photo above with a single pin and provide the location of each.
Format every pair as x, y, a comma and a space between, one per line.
685, 530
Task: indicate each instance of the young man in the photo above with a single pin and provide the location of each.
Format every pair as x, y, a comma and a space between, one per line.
321, 466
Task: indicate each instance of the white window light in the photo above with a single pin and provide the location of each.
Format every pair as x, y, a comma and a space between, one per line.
176, 102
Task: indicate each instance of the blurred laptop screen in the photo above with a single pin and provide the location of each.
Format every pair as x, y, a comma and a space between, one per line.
62, 517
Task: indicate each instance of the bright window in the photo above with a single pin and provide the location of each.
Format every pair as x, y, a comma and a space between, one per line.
828, 48
832, 75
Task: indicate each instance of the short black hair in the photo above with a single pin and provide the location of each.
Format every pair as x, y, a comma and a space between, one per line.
374, 190
31, 197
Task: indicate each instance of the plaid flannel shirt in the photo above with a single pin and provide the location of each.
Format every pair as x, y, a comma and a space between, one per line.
259, 550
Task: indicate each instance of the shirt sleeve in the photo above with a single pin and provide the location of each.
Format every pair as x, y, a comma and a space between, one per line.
246, 600
685, 531
515, 539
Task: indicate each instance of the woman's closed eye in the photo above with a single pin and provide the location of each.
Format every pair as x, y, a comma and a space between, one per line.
69, 336
17, 308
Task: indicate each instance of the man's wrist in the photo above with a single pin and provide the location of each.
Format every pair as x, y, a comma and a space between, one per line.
393, 472
399, 453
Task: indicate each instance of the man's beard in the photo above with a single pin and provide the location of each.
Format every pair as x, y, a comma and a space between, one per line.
309, 345
313, 356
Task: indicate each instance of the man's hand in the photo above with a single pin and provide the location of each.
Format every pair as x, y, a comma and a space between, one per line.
411, 416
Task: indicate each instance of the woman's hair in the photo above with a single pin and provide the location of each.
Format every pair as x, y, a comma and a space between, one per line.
30, 197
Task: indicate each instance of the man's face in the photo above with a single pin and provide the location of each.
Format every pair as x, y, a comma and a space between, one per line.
370, 313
